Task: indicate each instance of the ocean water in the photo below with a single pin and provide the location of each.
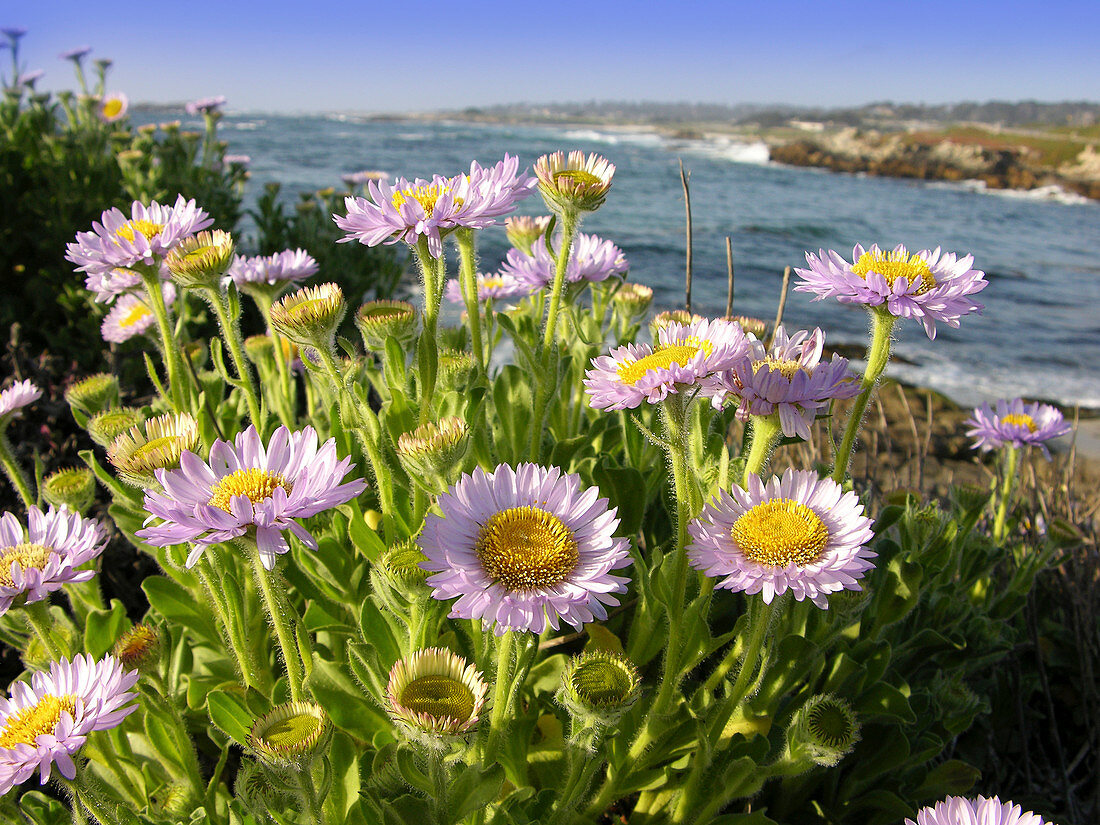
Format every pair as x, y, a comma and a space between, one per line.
1039, 335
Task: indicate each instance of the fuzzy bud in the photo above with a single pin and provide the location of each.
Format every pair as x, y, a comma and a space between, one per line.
104, 427
72, 487
94, 394
378, 320
311, 315
599, 686
199, 262
823, 732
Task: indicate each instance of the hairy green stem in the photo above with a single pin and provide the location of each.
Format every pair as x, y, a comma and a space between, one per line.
502, 690
181, 401
1008, 487
766, 430
14, 472
285, 623
38, 619
878, 356
427, 349
467, 257
570, 220
231, 332
239, 648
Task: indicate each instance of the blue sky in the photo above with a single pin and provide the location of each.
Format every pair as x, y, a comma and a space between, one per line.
407, 56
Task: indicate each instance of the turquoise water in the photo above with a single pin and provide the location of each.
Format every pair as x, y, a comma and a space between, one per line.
1039, 335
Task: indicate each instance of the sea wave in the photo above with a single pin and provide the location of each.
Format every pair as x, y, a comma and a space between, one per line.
1051, 192
737, 151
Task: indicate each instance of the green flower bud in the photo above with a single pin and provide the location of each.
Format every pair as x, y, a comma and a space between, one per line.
104, 427
94, 394
72, 487
154, 445
310, 316
378, 320
599, 686
289, 735
199, 262
822, 732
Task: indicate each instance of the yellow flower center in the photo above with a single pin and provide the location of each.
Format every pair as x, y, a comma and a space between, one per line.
662, 359
137, 312
781, 532
580, 176
147, 228
28, 555
255, 483
439, 697
525, 548
897, 264
426, 196
112, 107
492, 281
1021, 420
25, 727
789, 369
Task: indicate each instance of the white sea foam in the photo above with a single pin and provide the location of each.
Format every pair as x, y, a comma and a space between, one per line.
1051, 192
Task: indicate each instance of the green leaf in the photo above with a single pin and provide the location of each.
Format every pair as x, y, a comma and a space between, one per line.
165, 744
378, 632
344, 702
229, 714
625, 489
951, 778
103, 627
884, 699
474, 789
177, 604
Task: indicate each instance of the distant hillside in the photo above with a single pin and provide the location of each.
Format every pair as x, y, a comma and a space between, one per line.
1000, 113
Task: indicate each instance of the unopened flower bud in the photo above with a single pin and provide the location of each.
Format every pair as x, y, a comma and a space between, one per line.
524, 230
433, 452
433, 694
633, 300
73, 487
311, 315
199, 262
574, 182
104, 427
154, 445
599, 685
289, 735
753, 326
378, 320
669, 316
94, 394
822, 732
138, 648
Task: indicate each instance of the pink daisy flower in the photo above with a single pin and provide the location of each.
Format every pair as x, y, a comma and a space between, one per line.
798, 533
49, 719
955, 810
249, 488
16, 397
118, 242
787, 378
591, 259
684, 356
1016, 424
523, 548
131, 316
929, 286
46, 558
501, 285
410, 210
278, 271
205, 105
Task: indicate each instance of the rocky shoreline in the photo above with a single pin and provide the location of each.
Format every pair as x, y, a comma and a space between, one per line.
997, 164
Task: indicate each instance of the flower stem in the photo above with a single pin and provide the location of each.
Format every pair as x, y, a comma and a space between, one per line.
1008, 487
766, 430
287, 406
427, 349
570, 219
231, 332
84, 796
14, 473
238, 647
284, 621
878, 356
468, 265
172, 358
38, 619
502, 690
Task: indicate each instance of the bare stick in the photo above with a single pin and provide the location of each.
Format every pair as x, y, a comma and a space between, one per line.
684, 178
782, 303
729, 274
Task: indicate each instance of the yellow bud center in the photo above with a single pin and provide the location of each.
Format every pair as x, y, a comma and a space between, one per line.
662, 359
897, 264
147, 228
112, 107
578, 176
781, 532
439, 697
1021, 420
526, 547
28, 556
24, 727
253, 482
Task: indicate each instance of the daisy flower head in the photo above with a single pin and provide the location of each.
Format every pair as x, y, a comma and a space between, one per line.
931, 286
797, 533
522, 548
131, 315
421, 209
47, 720
685, 355
362, 177
205, 105
1016, 424
272, 273
113, 107
47, 555
590, 259
118, 242
435, 692
956, 810
19, 395
76, 55
489, 287
524, 230
109, 284
787, 378
574, 182
247, 488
